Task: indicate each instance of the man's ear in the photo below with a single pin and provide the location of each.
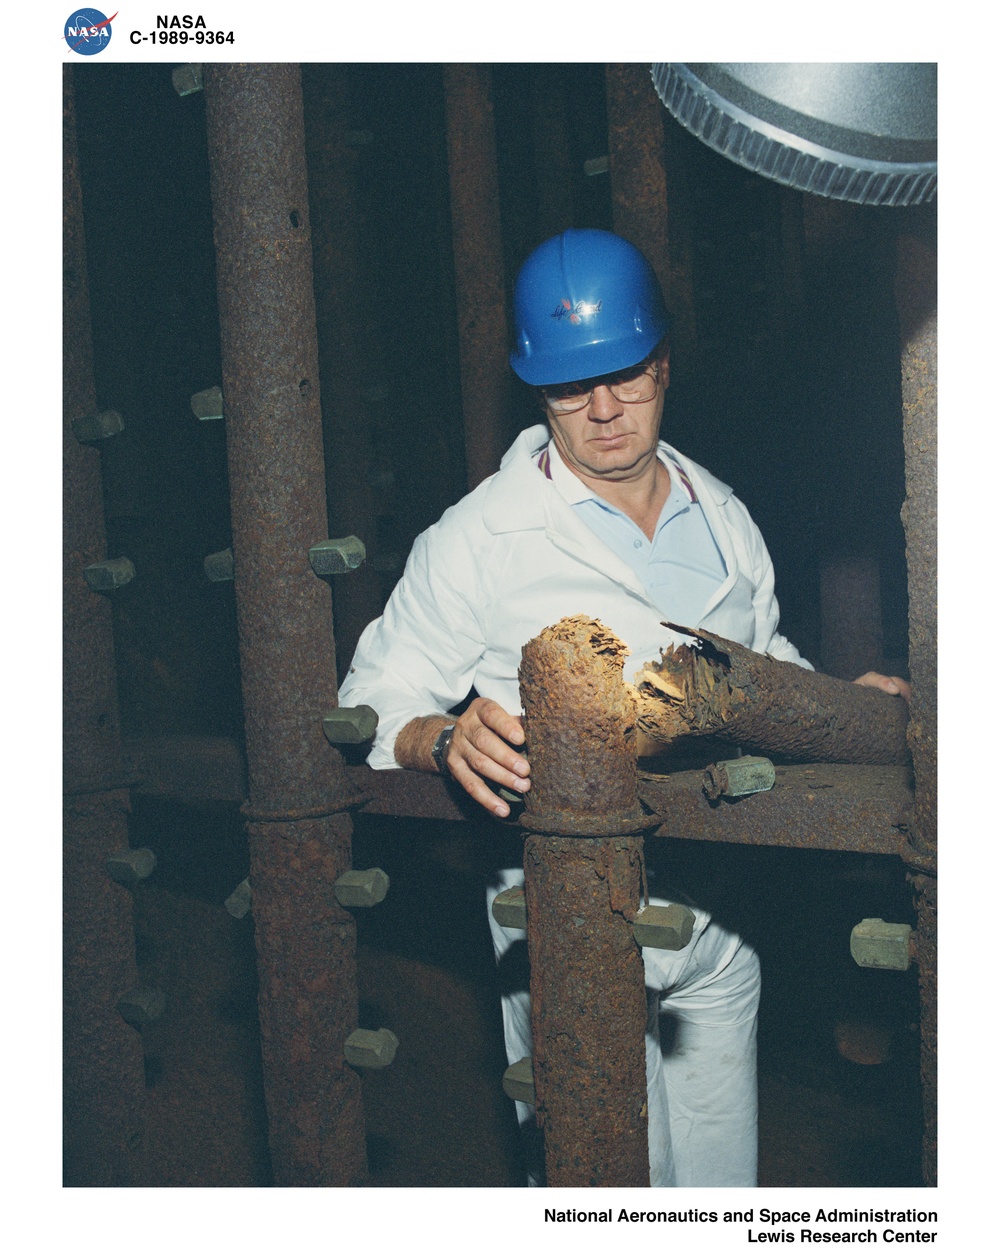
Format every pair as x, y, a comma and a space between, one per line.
664, 363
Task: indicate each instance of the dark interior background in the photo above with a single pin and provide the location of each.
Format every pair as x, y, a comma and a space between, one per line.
785, 383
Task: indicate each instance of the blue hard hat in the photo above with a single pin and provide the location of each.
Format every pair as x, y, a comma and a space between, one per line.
586, 303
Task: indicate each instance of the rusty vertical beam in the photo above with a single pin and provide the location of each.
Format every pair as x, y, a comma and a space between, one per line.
103, 1088
299, 829
346, 332
638, 172
916, 299
584, 882
480, 287
643, 186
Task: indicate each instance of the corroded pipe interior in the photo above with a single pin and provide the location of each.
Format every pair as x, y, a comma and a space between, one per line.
579, 721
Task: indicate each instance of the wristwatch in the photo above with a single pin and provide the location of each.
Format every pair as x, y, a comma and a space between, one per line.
439, 751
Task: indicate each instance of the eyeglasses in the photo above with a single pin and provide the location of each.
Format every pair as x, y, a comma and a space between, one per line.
630, 386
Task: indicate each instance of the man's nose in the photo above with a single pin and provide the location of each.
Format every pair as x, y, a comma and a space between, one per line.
604, 406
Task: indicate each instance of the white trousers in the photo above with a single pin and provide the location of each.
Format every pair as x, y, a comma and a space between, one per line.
701, 1050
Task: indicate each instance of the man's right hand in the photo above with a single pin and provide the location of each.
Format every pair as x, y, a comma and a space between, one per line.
483, 746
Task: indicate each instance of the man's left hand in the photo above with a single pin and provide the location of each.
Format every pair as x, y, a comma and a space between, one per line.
888, 685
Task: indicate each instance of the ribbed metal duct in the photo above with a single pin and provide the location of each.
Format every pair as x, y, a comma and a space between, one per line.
862, 132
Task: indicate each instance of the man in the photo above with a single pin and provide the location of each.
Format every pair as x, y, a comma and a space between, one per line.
589, 514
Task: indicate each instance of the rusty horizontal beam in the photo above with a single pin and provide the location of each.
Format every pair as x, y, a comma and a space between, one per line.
830, 807
826, 807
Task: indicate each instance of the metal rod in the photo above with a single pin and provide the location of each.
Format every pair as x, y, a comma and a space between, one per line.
479, 269
638, 172
347, 331
916, 299
587, 985
103, 1089
300, 835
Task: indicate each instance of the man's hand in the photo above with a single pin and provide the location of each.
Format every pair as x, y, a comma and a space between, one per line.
889, 685
483, 746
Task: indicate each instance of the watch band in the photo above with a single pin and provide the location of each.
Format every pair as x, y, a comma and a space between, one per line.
439, 751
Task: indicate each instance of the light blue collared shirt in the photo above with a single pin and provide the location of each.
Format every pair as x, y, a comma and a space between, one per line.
681, 568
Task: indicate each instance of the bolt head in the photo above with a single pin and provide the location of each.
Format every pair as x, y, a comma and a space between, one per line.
240, 902
350, 724
876, 943
337, 555
519, 1082
108, 575
187, 79
141, 1006
510, 910
361, 888
207, 405
129, 867
219, 566
97, 426
668, 928
367, 1049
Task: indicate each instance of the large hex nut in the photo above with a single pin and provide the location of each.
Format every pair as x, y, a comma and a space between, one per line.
361, 887
187, 79
130, 867
109, 575
367, 1049
97, 426
668, 928
240, 902
875, 943
207, 405
141, 1006
750, 774
519, 1082
337, 555
510, 910
219, 566
350, 724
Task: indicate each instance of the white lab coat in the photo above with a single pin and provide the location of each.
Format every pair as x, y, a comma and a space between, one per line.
513, 557
509, 559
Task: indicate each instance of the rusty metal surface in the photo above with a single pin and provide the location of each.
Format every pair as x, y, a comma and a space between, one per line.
346, 331
288, 662
916, 299
636, 162
769, 706
579, 728
829, 807
588, 1000
308, 1007
103, 1085
480, 288
588, 1008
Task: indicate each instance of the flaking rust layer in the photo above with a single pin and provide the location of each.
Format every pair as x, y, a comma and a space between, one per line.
579, 721
715, 686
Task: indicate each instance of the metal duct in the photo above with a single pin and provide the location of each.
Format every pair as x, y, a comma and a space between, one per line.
862, 132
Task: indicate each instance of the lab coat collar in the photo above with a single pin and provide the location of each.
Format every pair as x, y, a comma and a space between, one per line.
516, 495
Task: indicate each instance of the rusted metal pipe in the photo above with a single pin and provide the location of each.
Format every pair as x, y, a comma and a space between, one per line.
644, 189
716, 687
103, 1088
587, 986
916, 299
636, 163
479, 269
300, 832
347, 330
